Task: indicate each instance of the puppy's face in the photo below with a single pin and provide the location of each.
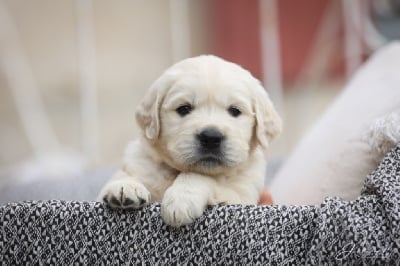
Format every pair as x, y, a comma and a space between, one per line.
207, 122
206, 115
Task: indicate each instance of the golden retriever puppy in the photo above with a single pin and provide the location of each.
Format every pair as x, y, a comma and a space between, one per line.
206, 123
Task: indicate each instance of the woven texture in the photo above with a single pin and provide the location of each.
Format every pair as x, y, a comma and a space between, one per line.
364, 231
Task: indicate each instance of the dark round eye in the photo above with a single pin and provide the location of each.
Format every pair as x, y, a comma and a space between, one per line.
234, 111
184, 109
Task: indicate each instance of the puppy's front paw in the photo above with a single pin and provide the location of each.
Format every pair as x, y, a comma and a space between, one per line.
125, 194
180, 207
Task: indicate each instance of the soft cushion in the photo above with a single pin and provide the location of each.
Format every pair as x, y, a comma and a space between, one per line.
334, 156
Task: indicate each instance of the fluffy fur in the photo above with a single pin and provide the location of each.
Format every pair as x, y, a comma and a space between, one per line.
384, 134
169, 163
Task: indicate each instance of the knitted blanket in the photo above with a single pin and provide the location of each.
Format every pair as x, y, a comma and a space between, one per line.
363, 231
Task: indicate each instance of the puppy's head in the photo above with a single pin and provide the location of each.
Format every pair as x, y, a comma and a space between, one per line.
205, 114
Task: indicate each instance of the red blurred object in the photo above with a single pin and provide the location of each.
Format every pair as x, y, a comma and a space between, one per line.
265, 198
236, 33
298, 25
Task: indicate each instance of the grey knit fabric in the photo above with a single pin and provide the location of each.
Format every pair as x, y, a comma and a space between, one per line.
364, 231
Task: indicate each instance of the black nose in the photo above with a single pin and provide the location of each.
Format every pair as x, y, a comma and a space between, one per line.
210, 138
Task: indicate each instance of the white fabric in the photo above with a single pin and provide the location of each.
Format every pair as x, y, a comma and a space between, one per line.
334, 157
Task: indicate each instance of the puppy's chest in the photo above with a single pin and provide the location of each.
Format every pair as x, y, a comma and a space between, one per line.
167, 173
234, 183
237, 189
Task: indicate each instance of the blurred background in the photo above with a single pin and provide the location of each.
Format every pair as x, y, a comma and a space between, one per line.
73, 72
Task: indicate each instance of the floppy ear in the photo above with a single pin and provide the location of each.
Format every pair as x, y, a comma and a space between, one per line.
268, 121
148, 111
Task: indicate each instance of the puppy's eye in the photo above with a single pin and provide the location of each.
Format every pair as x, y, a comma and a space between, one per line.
234, 111
184, 109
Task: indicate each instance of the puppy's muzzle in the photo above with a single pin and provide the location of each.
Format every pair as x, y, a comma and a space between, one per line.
210, 139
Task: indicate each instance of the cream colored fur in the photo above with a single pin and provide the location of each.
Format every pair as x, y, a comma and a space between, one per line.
163, 166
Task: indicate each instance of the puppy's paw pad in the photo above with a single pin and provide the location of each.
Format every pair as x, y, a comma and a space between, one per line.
125, 195
178, 209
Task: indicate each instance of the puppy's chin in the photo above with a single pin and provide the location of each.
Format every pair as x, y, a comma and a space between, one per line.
210, 168
207, 164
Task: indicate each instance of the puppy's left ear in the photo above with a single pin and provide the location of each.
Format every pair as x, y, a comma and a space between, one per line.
148, 111
268, 121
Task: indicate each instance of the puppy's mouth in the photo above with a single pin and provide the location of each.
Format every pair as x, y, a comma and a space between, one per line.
210, 161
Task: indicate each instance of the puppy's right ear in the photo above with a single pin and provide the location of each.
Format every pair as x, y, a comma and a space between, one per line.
148, 111
268, 121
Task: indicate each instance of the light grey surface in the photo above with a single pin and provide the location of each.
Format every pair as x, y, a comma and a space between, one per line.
81, 188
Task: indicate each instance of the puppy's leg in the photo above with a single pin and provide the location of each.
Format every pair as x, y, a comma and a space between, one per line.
187, 198
124, 192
